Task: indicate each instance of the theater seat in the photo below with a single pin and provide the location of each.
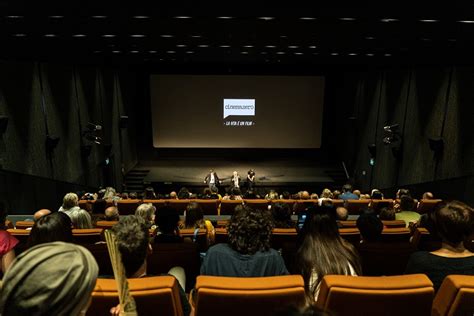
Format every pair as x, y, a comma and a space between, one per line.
455, 296
24, 224
200, 238
351, 235
351, 224
105, 224
394, 224
354, 207
87, 236
228, 206
246, 296
426, 206
395, 235
209, 207
386, 295
257, 204
153, 296
221, 235
127, 207
424, 241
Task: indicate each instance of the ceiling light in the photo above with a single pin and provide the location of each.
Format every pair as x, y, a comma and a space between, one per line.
466, 21
116, 51
347, 19
369, 54
244, 53
283, 36
369, 38
171, 51
56, 16
19, 35
307, 18
166, 35
298, 53
182, 17
224, 46
152, 51
280, 53
429, 20
248, 46
137, 35
196, 36
293, 46
203, 45
334, 54
225, 17
99, 16
389, 20
140, 17
15, 16
108, 35
189, 52
266, 18
352, 54
79, 35
270, 46
49, 35
181, 45
312, 47
387, 55
134, 51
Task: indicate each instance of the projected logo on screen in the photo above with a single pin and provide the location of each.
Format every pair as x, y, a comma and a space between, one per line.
239, 107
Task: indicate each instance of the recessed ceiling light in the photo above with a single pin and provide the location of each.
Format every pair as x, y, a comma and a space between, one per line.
181, 45
182, 17
387, 55
425, 39
137, 35
283, 36
79, 35
369, 38
266, 18
270, 46
19, 35
248, 46
263, 53
293, 46
97, 51
244, 53
298, 53
116, 51
196, 36
225, 17
280, 53
370, 54
466, 21
152, 51
56, 16
203, 45
109, 35
347, 19
307, 18
99, 16
224, 46
49, 35
312, 46
166, 35
189, 52
352, 54
334, 54
171, 51
140, 17
389, 20
134, 51
15, 16
429, 20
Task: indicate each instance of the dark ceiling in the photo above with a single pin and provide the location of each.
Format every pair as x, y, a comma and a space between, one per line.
193, 33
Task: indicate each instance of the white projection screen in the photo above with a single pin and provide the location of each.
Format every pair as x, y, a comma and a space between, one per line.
227, 111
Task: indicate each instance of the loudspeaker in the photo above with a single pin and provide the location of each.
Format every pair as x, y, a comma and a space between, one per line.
3, 124
51, 142
123, 123
436, 145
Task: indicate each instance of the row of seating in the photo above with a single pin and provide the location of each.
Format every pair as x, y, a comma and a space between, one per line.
340, 295
226, 207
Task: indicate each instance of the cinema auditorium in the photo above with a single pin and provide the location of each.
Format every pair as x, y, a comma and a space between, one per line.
236, 158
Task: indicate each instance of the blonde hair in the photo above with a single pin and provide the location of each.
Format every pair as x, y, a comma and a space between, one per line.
146, 211
70, 200
81, 219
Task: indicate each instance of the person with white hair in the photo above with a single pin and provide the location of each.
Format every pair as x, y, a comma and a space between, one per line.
40, 283
70, 203
81, 219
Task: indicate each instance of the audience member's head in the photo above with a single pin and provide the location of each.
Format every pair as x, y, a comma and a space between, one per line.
250, 194
131, 233
99, 206
111, 213
428, 196
207, 192
314, 196
173, 195
41, 213
167, 219
346, 188
214, 190
194, 216
183, 193
81, 219
49, 279
235, 192
70, 200
109, 193
376, 195
387, 214
149, 193
147, 212
281, 214
335, 194
407, 204
370, 226
454, 222
403, 192
285, 195
304, 195
133, 195
342, 213
249, 230
272, 195
357, 192
48, 228
326, 194
100, 194
124, 196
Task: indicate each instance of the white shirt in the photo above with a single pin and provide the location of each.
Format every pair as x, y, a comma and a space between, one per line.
213, 179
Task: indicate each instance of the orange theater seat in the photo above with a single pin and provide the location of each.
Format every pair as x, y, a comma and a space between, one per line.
352, 224
257, 204
455, 296
24, 224
228, 206
153, 295
424, 241
387, 295
426, 206
200, 238
178, 205
209, 207
87, 236
395, 235
105, 224
351, 235
394, 224
354, 207
221, 235
247, 296
156, 203
127, 207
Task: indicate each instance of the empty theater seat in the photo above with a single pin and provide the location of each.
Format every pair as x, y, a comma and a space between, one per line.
455, 296
387, 295
426, 206
246, 296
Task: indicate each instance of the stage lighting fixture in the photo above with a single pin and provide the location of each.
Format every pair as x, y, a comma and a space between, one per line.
3, 124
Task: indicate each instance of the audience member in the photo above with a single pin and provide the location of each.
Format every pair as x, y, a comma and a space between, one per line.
41, 213
173, 195
272, 195
427, 196
100, 194
206, 193
304, 195
183, 193
357, 192
194, 219
336, 194
215, 193
387, 214
147, 212
326, 194
99, 206
235, 194
111, 213
342, 213
370, 226
454, 223
347, 193
167, 220
323, 251
376, 195
403, 192
7, 242
49, 228
250, 194
133, 195
314, 196
81, 219
406, 210
285, 195
149, 194
124, 196
49, 279
281, 214
248, 253
110, 194
70, 203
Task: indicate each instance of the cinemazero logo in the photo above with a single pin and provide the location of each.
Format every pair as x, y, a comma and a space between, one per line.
240, 107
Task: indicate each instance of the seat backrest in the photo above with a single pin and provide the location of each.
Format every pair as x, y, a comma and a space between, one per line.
290, 202
105, 224
153, 295
257, 204
156, 203
424, 241
395, 235
455, 296
20, 234
379, 204
209, 207
394, 224
221, 235
349, 224
337, 203
24, 224
178, 205
86, 204
354, 207
400, 295
127, 207
301, 205
252, 296
351, 235
228, 206
87, 236
426, 206
200, 238
282, 236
